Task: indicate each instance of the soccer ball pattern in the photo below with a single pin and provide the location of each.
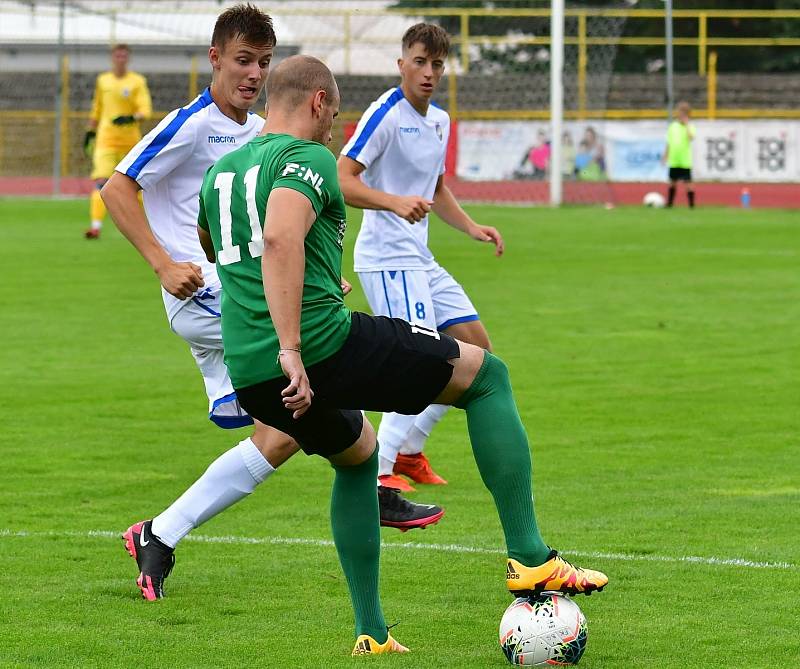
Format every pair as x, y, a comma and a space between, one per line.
545, 629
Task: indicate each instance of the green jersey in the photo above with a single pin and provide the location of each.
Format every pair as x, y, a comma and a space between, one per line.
233, 202
679, 141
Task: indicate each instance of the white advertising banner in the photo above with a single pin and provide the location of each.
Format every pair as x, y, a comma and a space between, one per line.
771, 151
494, 150
718, 151
747, 150
636, 151
500, 150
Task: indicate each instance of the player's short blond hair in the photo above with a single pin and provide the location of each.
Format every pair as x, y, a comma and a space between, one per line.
298, 77
683, 107
120, 47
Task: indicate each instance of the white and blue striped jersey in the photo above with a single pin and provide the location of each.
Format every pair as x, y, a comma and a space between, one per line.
403, 153
169, 163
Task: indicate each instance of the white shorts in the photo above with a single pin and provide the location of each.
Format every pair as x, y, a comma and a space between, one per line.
427, 297
198, 322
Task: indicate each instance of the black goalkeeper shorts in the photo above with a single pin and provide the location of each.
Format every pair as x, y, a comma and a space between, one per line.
680, 174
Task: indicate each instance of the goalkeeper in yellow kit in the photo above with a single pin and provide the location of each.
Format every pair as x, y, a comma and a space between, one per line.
121, 100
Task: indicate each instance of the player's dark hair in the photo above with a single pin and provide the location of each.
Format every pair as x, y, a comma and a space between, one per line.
120, 47
434, 38
297, 77
243, 21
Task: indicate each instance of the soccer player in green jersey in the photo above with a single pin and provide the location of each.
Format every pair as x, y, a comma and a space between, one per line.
679, 153
273, 217
168, 166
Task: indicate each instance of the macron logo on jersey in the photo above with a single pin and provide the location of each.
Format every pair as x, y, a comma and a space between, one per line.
408, 131
221, 139
306, 174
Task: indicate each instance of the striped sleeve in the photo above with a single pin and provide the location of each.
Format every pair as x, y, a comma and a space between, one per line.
165, 147
373, 132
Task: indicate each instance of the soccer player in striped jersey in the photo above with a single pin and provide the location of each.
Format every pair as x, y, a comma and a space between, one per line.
393, 168
168, 166
121, 100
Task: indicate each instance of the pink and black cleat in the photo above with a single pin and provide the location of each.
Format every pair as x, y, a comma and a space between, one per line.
154, 558
398, 512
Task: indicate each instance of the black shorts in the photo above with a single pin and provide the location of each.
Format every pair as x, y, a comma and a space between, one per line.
680, 174
385, 364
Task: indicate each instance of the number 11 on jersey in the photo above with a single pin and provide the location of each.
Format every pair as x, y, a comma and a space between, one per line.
223, 183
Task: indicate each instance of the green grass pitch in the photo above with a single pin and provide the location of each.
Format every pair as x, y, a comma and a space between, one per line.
655, 359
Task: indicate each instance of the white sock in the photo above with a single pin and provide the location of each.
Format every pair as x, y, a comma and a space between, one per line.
231, 477
415, 442
422, 428
96, 225
385, 467
392, 433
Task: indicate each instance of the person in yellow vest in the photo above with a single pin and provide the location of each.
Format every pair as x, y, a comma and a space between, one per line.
679, 153
121, 100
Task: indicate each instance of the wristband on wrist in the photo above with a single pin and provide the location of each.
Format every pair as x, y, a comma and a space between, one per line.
281, 351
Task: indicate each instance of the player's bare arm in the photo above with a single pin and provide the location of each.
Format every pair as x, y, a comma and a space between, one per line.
289, 218
207, 244
412, 208
120, 195
449, 210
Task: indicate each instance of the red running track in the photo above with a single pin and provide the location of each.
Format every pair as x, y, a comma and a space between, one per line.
778, 195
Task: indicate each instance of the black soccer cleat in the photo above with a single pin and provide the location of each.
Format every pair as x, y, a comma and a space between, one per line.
154, 558
397, 511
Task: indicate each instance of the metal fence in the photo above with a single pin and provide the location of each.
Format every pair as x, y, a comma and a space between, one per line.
33, 128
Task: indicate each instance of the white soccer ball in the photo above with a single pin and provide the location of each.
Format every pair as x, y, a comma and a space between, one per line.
654, 199
543, 630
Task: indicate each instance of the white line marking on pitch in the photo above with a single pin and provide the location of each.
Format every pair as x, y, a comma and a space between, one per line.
748, 253
413, 545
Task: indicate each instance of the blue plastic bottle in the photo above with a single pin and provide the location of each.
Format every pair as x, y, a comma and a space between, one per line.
746, 198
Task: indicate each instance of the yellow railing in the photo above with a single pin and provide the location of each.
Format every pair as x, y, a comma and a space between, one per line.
466, 38
579, 27
702, 42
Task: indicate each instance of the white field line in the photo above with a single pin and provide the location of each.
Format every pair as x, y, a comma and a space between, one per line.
711, 251
415, 546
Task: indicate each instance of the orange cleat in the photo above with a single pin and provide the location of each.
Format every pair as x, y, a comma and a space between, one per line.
396, 482
555, 575
417, 468
92, 233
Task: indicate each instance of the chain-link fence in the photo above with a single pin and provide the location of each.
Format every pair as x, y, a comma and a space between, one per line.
497, 80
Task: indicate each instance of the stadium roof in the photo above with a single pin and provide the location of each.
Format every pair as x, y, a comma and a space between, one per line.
314, 27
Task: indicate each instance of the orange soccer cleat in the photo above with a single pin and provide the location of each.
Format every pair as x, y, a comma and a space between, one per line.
396, 482
418, 468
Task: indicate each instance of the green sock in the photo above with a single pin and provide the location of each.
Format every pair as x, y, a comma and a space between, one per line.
355, 520
500, 447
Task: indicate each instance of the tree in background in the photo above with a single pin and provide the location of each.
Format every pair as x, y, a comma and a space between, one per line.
516, 57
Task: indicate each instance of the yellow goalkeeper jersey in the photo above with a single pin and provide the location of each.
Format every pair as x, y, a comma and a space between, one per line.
119, 96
